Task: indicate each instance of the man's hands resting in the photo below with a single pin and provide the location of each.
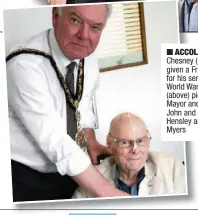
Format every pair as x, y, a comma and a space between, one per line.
94, 147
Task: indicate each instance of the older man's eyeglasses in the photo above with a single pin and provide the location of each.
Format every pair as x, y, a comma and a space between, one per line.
123, 143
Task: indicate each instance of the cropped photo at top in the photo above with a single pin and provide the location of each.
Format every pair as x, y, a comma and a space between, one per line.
56, 2
188, 15
11, 4
78, 78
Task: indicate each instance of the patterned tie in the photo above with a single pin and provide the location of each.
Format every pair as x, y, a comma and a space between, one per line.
71, 118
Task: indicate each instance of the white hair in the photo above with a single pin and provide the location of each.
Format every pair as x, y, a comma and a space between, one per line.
109, 10
60, 11
108, 6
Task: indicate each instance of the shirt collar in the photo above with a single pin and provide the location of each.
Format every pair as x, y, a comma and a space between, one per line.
141, 173
59, 57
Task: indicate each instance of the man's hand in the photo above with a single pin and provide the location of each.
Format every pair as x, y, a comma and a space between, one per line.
54, 2
94, 149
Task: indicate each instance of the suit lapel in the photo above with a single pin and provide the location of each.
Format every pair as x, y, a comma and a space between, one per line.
151, 184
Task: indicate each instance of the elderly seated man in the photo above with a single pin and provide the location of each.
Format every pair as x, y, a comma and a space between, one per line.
134, 169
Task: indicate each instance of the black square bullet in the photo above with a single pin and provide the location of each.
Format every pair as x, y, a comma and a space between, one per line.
169, 51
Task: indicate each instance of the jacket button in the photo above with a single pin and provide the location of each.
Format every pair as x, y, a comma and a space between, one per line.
149, 184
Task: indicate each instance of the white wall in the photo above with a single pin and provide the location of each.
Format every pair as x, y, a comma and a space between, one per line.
21, 24
135, 89
23, 3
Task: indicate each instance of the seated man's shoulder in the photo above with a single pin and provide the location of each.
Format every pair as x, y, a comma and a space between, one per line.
161, 158
170, 170
105, 165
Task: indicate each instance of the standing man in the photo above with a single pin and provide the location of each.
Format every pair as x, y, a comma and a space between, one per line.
51, 80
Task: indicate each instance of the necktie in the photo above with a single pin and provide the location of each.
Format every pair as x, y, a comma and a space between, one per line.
71, 118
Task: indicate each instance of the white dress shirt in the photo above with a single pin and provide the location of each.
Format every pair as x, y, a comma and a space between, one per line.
37, 109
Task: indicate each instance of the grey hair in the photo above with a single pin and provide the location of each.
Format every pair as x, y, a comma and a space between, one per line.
60, 11
108, 6
109, 10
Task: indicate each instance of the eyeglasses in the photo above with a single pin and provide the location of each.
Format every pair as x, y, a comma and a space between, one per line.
123, 143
